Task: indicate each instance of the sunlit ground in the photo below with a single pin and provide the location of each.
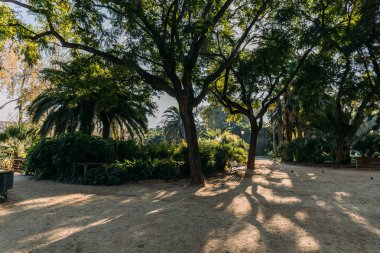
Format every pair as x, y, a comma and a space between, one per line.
278, 208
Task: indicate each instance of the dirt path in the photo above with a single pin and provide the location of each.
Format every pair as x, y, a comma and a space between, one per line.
278, 208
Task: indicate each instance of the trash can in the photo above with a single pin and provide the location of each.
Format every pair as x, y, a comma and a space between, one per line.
9, 178
3, 186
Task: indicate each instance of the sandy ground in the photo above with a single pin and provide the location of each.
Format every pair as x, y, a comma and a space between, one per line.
278, 208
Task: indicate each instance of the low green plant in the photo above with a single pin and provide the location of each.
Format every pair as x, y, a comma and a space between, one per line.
305, 150
367, 144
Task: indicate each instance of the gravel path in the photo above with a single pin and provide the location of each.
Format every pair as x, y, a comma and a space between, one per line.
277, 208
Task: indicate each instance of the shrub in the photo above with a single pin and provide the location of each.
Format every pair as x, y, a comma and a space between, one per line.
167, 169
283, 152
159, 151
54, 157
128, 150
309, 150
118, 173
368, 144
107, 175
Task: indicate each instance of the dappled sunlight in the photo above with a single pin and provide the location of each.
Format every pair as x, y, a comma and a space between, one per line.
45, 202
161, 195
352, 212
304, 241
240, 207
222, 240
57, 234
312, 176
269, 195
301, 216
214, 191
158, 210
268, 210
362, 221
339, 196
285, 182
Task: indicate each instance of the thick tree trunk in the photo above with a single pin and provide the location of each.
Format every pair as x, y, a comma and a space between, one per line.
252, 147
197, 177
339, 151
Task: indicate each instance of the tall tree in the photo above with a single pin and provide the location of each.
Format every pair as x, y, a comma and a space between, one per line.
19, 79
264, 72
349, 60
168, 43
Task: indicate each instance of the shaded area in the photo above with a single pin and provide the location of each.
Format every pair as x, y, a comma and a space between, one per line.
278, 208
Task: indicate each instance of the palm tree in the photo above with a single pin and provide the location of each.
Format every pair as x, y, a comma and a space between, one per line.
61, 113
86, 94
174, 130
16, 137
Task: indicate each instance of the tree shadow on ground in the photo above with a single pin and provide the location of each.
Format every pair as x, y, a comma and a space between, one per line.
277, 208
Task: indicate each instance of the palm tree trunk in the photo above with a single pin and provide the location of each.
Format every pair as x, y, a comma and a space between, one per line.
106, 129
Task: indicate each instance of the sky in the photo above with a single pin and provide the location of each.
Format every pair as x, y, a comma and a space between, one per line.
9, 113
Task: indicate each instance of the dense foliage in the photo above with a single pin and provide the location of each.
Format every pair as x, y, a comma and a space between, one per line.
86, 93
55, 158
367, 144
313, 65
311, 150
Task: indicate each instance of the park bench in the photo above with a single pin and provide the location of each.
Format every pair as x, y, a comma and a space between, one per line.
17, 164
86, 166
368, 162
6, 182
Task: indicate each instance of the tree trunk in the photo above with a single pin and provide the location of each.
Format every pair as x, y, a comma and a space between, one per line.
252, 147
280, 135
340, 150
274, 136
197, 177
106, 129
288, 127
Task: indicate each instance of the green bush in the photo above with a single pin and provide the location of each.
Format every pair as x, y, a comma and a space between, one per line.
159, 151
167, 169
128, 150
118, 173
54, 157
309, 150
284, 152
107, 175
368, 144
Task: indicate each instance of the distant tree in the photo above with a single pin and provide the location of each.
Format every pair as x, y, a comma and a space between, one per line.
18, 78
154, 135
16, 137
173, 128
213, 117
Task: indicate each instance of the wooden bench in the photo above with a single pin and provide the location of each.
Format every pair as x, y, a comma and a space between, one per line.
6, 182
17, 164
85, 166
368, 162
